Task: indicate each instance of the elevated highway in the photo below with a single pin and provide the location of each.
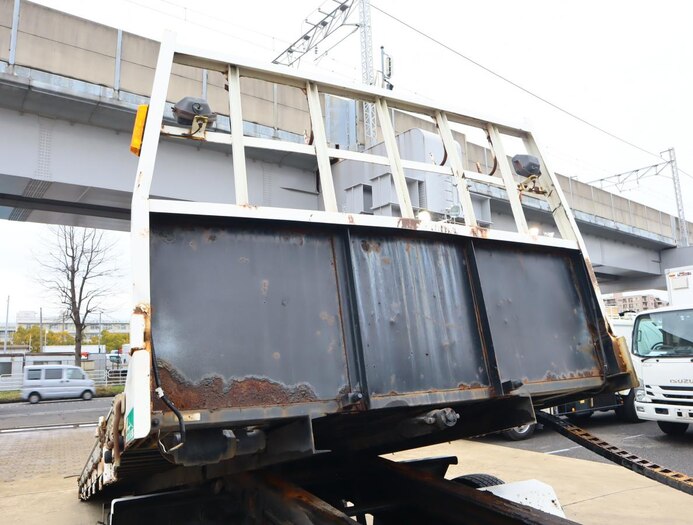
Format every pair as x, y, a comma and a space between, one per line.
68, 92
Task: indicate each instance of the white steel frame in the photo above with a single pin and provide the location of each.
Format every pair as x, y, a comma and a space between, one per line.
313, 86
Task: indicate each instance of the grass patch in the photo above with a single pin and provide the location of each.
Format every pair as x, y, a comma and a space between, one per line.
109, 391
10, 396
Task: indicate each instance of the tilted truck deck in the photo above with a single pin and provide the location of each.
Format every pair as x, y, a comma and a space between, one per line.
305, 341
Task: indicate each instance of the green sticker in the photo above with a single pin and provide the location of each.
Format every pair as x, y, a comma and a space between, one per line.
130, 425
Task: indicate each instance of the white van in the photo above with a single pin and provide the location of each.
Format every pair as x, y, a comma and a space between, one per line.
56, 382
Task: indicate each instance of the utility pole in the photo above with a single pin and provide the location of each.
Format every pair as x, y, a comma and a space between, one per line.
321, 30
367, 73
683, 225
100, 331
7, 315
40, 328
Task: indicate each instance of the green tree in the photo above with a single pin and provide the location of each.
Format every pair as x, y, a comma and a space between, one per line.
28, 336
113, 341
59, 338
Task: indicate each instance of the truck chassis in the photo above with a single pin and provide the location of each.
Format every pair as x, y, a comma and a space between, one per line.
338, 337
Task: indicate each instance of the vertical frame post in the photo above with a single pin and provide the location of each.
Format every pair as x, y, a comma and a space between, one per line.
240, 176
145, 171
457, 169
118, 60
488, 349
395, 162
508, 179
329, 197
562, 214
14, 32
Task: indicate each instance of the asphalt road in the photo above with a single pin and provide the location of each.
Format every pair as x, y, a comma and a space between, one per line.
49, 413
643, 439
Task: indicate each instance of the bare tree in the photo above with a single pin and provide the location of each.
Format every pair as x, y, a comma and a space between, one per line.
77, 271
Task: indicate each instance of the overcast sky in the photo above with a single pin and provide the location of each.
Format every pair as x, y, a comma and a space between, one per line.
623, 66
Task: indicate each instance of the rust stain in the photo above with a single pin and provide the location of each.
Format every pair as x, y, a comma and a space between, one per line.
208, 236
328, 318
386, 260
470, 386
478, 231
297, 238
573, 374
350, 218
368, 246
408, 224
590, 272
214, 392
264, 287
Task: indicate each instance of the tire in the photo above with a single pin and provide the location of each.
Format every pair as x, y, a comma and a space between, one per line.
87, 395
627, 412
478, 481
672, 429
520, 433
34, 398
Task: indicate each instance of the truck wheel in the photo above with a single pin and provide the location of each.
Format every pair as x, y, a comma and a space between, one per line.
673, 429
626, 412
477, 481
520, 433
34, 398
87, 395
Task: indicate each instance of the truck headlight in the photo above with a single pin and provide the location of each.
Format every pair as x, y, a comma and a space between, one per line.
640, 396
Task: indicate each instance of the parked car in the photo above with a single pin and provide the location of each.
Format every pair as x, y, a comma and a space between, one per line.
56, 382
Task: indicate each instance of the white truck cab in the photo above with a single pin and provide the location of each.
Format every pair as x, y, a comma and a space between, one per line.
662, 347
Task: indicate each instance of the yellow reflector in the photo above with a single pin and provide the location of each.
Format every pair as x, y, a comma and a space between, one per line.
138, 129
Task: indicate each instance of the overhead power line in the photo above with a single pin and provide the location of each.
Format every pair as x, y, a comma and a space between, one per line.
324, 25
512, 83
620, 179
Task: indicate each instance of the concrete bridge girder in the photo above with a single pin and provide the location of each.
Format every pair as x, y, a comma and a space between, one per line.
49, 159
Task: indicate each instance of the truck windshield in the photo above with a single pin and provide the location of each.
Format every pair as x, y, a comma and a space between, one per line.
664, 334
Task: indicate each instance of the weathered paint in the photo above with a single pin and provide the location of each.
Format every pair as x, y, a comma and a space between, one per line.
267, 314
214, 391
538, 320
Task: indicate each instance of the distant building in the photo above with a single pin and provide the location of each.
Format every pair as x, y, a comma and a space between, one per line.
28, 318
620, 302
